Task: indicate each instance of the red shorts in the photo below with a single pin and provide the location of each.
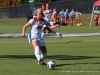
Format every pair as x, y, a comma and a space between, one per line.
73, 18
63, 18
66, 18
54, 16
96, 17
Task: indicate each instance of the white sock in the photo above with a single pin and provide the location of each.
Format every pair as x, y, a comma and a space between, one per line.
43, 55
37, 53
42, 35
54, 32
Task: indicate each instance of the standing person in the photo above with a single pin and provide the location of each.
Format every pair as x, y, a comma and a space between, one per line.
96, 16
43, 7
54, 15
66, 17
77, 17
62, 19
47, 12
37, 23
34, 12
72, 15
47, 16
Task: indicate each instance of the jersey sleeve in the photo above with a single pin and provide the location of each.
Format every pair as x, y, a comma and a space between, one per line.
31, 21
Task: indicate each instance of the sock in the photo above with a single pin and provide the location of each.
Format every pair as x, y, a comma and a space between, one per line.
42, 35
54, 32
43, 55
37, 53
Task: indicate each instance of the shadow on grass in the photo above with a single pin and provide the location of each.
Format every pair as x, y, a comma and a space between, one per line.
73, 41
68, 57
18, 56
58, 57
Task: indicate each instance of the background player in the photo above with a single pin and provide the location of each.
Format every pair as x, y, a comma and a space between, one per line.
62, 19
47, 16
66, 17
77, 17
96, 16
72, 15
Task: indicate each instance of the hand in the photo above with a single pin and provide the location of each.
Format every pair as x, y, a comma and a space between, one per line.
57, 25
23, 35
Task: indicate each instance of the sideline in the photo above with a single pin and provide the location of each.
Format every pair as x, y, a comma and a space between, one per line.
17, 35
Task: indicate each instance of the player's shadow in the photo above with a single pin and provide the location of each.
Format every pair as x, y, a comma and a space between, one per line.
68, 57
18, 56
58, 65
73, 41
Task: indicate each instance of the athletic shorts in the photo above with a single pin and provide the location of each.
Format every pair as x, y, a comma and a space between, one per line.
72, 18
96, 18
38, 39
63, 18
54, 17
66, 18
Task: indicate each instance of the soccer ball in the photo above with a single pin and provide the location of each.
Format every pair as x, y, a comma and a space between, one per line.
51, 65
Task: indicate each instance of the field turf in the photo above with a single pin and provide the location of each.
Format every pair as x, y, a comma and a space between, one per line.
73, 55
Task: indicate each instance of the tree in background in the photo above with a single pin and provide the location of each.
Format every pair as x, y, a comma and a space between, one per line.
5, 3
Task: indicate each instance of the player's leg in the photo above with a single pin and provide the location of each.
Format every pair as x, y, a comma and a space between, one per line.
96, 21
43, 32
57, 33
72, 21
43, 51
49, 30
36, 50
66, 21
35, 45
61, 21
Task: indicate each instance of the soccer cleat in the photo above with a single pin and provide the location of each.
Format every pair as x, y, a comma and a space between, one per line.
41, 62
60, 35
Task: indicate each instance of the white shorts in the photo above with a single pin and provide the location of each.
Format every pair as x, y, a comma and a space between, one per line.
38, 39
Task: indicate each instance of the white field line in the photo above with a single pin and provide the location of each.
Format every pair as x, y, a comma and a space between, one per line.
50, 35
51, 42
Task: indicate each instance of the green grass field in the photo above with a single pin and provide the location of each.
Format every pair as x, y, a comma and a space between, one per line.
73, 55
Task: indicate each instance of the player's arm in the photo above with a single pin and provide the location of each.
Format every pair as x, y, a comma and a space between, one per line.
52, 26
24, 28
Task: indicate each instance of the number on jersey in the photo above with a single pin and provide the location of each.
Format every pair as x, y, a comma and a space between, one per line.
39, 27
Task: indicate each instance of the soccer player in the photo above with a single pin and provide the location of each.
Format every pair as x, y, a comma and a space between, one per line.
96, 16
47, 16
72, 15
66, 17
36, 24
54, 15
77, 17
62, 16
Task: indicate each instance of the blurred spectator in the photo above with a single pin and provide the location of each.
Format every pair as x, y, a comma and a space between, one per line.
66, 17
72, 15
34, 12
62, 16
54, 15
77, 17
96, 16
